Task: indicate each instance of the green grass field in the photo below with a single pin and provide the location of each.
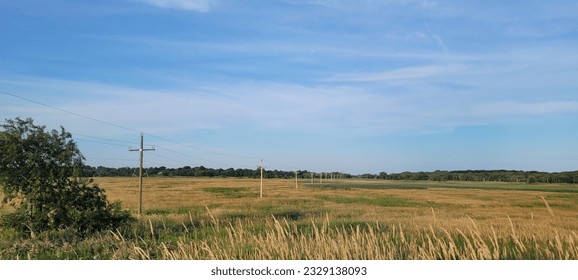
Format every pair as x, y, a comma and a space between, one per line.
224, 218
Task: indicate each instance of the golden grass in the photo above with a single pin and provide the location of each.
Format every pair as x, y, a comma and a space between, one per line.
488, 207
283, 240
310, 223
222, 218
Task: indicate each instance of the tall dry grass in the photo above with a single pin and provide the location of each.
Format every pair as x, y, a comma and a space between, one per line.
319, 240
222, 219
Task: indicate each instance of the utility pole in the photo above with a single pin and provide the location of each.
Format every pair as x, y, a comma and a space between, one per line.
141, 150
261, 166
295, 179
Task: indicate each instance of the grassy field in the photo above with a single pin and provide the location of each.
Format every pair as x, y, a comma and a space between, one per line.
220, 218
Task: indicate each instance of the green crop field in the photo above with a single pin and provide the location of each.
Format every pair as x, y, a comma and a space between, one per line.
224, 218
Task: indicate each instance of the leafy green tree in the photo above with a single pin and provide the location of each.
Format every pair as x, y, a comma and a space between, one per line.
40, 174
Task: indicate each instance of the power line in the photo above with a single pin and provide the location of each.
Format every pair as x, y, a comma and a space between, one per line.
168, 158
103, 138
126, 128
190, 156
102, 143
132, 130
154, 155
153, 162
281, 166
112, 159
68, 112
200, 149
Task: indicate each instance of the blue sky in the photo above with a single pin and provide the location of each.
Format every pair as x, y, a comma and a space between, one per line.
323, 85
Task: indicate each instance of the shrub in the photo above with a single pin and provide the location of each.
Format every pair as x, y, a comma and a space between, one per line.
40, 176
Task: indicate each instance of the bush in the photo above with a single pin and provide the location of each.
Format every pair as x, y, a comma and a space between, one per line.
39, 174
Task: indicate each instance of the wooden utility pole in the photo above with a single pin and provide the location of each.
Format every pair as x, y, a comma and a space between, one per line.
261, 166
141, 150
295, 179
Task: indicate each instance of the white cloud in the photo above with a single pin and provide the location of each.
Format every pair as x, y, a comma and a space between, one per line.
397, 74
356, 4
262, 105
191, 5
516, 109
272, 106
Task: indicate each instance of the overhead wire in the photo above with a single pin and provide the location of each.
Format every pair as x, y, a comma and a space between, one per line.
102, 143
279, 166
113, 159
75, 136
200, 149
68, 112
103, 138
167, 158
189, 156
132, 130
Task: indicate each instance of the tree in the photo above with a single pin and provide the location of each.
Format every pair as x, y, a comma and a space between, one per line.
40, 174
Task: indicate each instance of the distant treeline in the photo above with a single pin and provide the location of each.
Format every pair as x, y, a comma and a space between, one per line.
487, 175
463, 175
199, 171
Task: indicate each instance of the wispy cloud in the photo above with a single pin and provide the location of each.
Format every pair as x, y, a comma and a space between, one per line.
511, 108
191, 5
397, 74
357, 4
282, 106
222, 115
